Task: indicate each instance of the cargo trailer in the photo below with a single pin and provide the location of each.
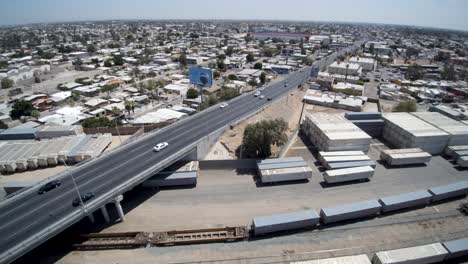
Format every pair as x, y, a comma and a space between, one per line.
409, 158
405, 200
286, 174
356, 259
463, 161
457, 248
323, 154
450, 150
282, 222
350, 211
328, 159
431, 253
385, 154
350, 164
449, 191
349, 174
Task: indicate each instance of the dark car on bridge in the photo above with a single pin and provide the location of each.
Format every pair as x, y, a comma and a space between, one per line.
49, 186
84, 197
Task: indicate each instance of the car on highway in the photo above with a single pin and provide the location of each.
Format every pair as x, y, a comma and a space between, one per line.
223, 105
84, 197
269, 98
160, 146
286, 84
261, 96
49, 186
257, 93
262, 89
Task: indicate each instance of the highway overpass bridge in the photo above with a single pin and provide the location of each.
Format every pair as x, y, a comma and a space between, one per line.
28, 219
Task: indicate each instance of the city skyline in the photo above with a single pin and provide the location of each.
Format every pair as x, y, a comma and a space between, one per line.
447, 14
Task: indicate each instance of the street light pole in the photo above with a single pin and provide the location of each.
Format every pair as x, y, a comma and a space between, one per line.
76, 187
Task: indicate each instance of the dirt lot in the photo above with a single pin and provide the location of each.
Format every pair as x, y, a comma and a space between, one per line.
288, 108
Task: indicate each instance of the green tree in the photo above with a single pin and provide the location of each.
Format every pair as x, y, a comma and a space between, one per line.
228, 93
21, 108
229, 51
94, 122
221, 65
232, 77
183, 60
250, 58
192, 93
35, 114
252, 82
7, 83
108, 88
116, 111
118, 60
263, 78
3, 125
259, 137
216, 74
414, 72
210, 101
448, 73
405, 106
258, 66
91, 48
108, 63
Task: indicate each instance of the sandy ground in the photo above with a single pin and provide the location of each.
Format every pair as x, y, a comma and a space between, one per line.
288, 108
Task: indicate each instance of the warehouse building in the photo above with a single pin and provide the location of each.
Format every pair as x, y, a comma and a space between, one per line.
333, 132
345, 68
404, 130
367, 64
458, 131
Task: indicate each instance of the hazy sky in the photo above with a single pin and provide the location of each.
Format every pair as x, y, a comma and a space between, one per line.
434, 13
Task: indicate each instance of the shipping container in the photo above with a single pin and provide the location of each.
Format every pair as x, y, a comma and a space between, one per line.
449, 191
405, 200
283, 222
338, 153
349, 174
385, 154
460, 153
457, 248
350, 211
463, 161
356, 259
286, 174
450, 150
409, 158
431, 253
172, 179
328, 159
350, 164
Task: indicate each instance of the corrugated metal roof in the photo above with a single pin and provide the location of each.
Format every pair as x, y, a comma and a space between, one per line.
285, 218
347, 208
405, 197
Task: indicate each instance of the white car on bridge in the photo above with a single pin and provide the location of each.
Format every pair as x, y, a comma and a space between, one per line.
160, 146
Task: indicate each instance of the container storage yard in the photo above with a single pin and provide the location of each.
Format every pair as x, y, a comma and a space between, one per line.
333, 132
23, 155
404, 130
457, 130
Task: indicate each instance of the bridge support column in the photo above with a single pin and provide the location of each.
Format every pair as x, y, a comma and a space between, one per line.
91, 218
119, 207
105, 214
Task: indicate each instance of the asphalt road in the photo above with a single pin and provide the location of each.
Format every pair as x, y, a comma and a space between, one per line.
32, 213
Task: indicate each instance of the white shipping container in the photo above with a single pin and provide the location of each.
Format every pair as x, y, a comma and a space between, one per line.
327, 160
409, 158
286, 174
323, 154
356, 259
463, 161
384, 154
419, 255
349, 174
